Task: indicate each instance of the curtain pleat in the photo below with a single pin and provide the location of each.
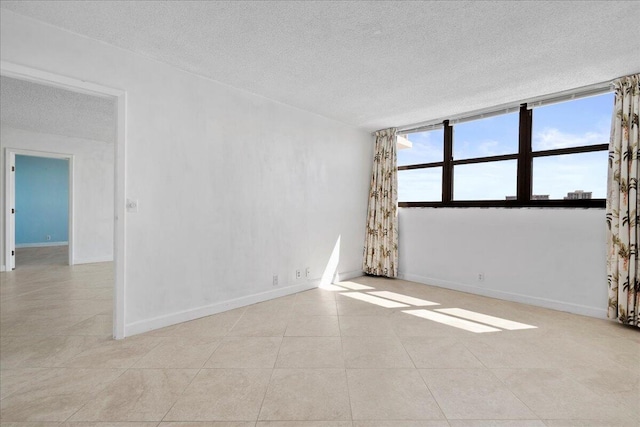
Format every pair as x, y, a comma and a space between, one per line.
381, 244
623, 274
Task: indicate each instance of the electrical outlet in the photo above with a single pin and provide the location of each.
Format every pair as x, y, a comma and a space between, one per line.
48, 237
308, 273
275, 280
480, 277
298, 274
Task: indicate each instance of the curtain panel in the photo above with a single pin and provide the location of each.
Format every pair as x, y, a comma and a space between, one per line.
623, 273
381, 244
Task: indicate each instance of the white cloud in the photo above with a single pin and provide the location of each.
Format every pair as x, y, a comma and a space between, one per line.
483, 148
551, 138
427, 147
559, 175
489, 148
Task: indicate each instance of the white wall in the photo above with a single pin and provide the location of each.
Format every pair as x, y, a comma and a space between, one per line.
552, 258
93, 188
232, 187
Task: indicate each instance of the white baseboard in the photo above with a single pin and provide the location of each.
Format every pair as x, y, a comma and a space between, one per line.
339, 277
40, 245
93, 260
508, 296
208, 310
348, 275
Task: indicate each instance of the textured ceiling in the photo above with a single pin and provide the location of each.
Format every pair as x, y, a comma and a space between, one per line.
31, 106
372, 64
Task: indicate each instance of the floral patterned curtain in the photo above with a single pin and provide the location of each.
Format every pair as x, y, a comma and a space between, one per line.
381, 245
623, 272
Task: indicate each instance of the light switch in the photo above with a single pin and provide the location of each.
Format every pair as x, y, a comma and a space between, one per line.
132, 206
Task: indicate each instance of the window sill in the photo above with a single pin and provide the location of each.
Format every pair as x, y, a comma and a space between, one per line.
586, 203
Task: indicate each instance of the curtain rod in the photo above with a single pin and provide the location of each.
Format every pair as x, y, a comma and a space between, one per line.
567, 95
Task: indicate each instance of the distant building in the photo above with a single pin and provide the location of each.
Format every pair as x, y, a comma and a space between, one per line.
534, 197
578, 195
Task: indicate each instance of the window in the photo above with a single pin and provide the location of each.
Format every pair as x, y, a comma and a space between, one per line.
559, 177
485, 181
549, 154
569, 148
426, 148
420, 167
417, 185
576, 123
480, 169
486, 137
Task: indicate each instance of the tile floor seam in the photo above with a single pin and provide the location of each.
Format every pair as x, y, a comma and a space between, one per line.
219, 343
28, 292
408, 354
244, 311
22, 387
112, 340
125, 370
444, 416
75, 324
96, 394
567, 376
284, 333
474, 354
345, 369
181, 394
514, 393
424, 381
596, 341
266, 390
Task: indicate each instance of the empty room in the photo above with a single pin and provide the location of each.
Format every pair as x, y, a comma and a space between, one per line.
319, 214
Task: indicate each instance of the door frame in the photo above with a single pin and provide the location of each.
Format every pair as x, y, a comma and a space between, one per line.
21, 72
10, 201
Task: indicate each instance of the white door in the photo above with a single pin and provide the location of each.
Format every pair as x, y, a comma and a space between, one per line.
10, 258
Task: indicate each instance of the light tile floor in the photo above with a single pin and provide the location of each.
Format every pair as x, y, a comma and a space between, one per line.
315, 359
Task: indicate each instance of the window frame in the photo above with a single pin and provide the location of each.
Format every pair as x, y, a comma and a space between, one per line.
524, 157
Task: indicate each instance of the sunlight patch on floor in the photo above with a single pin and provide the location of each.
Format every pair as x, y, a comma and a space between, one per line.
355, 286
374, 300
452, 321
455, 317
332, 288
403, 298
483, 318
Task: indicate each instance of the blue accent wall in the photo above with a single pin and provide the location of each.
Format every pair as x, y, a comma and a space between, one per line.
42, 200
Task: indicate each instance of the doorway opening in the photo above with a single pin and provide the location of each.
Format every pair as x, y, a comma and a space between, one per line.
116, 215
43, 214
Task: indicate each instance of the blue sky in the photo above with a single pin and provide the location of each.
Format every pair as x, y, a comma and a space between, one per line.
581, 122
